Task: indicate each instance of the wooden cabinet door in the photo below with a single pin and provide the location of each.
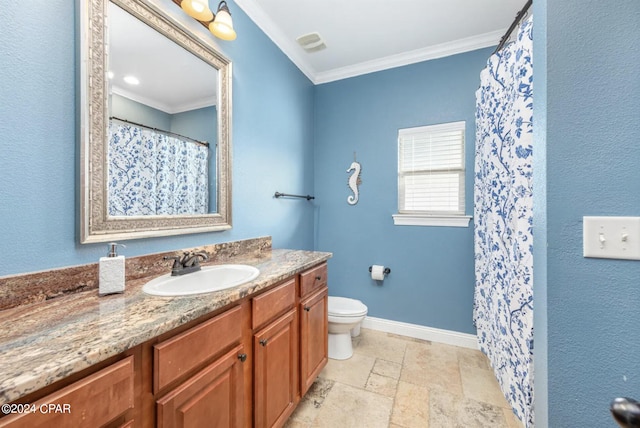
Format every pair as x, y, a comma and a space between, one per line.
313, 338
94, 401
276, 371
213, 398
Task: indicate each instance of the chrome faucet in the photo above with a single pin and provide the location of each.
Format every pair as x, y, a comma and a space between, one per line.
187, 263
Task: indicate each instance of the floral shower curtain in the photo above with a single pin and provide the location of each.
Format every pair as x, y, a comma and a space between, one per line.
152, 173
503, 203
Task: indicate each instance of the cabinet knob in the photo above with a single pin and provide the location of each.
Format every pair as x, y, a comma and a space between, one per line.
263, 342
242, 357
318, 278
307, 308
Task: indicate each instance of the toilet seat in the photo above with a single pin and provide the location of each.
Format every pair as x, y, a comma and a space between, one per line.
345, 307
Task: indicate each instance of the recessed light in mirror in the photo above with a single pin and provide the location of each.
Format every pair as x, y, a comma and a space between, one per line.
132, 80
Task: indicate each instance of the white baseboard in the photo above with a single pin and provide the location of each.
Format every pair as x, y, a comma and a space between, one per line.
421, 332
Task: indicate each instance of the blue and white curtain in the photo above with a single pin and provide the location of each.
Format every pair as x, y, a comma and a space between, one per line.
503, 216
151, 173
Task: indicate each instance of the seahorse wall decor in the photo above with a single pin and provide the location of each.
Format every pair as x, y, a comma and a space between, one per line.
354, 182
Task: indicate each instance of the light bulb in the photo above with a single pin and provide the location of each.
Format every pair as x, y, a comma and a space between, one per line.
132, 80
222, 26
197, 6
198, 9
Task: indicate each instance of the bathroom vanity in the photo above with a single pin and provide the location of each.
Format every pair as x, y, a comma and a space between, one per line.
236, 358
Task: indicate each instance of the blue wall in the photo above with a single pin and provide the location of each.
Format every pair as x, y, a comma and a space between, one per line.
199, 124
272, 125
133, 111
593, 157
587, 90
432, 268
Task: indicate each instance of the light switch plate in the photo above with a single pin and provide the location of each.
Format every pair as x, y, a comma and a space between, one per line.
611, 237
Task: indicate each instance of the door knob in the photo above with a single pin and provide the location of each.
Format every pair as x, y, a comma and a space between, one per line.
307, 308
242, 357
263, 342
626, 411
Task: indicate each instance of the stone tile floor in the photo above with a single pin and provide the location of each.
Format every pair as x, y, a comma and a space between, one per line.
399, 382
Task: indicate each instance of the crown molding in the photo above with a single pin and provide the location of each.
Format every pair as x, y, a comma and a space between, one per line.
293, 51
175, 109
411, 57
290, 48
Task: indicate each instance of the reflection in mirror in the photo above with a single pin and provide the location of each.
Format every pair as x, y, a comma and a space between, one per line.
156, 104
162, 138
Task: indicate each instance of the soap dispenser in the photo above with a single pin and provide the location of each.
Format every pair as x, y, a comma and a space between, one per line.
111, 272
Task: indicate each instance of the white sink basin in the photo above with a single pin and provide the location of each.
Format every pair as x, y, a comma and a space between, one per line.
210, 278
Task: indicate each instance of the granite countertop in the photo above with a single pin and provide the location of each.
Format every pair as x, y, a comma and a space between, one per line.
45, 342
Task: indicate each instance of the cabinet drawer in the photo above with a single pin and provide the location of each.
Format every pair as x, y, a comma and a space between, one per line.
313, 279
179, 355
91, 402
274, 302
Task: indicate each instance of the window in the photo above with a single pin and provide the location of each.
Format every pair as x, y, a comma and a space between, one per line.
431, 176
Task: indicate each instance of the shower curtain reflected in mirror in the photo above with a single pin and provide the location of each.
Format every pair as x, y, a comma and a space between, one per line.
152, 173
503, 215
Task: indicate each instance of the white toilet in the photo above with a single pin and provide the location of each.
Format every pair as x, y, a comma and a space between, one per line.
345, 316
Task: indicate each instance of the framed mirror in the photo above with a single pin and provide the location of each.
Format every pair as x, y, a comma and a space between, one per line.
155, 126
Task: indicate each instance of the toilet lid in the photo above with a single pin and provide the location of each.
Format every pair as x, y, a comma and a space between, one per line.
345, 306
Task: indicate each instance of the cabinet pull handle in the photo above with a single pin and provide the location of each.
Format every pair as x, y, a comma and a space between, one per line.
242, 357
307, 308
263, 342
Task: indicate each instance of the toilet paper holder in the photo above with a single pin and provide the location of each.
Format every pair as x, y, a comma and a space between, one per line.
386, 270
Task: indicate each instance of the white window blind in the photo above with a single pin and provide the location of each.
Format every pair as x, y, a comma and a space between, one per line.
431, 169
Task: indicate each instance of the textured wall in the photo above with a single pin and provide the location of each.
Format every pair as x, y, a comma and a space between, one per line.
432, 279
272, 126
593, 152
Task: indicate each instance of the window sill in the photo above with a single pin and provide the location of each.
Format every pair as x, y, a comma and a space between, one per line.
431, 220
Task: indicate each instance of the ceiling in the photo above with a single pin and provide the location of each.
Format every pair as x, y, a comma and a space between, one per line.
363, 36
138, 50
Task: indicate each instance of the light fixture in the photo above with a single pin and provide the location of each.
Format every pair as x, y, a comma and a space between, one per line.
220, 24
198, 9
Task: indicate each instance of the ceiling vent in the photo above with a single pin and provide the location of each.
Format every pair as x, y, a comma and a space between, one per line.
311, 42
